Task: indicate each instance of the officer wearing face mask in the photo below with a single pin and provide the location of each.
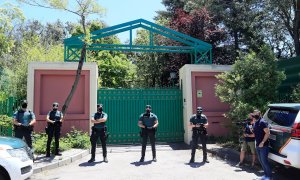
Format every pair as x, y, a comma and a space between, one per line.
24, 120
148, 122
199, 123
99, 130
54, 121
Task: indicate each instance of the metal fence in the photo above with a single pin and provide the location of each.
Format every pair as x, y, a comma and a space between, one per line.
7, 107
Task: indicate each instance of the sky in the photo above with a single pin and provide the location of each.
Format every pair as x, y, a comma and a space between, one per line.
117, 11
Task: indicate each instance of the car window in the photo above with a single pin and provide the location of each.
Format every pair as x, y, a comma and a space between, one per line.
282, 117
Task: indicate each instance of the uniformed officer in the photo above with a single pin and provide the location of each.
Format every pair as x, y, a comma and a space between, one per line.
23, 121
199, 123
54, 121
148, 122
99, 130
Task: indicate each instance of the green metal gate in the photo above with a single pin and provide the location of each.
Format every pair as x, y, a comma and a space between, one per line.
124, 107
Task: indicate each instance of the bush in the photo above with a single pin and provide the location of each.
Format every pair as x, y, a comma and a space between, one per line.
251, 84
5, 121
295, 96
74, 139
78, 139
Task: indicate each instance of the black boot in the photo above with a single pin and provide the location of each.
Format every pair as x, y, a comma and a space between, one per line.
48, 154
142, 159
105, 159
57, 153
205, 160
192, 160
91, 160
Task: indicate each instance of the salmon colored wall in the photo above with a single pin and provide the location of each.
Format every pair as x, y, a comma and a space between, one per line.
213, 108
54, 86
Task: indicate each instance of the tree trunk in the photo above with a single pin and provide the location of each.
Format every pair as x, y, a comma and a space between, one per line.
77, 78
78, 72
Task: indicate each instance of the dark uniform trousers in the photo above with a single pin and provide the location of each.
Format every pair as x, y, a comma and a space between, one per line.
96, 133
53, 129
203, 137
25, 132
151, 134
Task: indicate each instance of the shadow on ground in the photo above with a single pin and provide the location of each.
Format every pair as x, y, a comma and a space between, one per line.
137, 163
86, 164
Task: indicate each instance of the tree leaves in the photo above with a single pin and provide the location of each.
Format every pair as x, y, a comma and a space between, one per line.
251, 84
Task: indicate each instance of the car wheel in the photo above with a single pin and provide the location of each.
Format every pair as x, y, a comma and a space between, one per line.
4, 175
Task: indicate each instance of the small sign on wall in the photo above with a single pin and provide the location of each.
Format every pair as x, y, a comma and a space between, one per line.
199, 93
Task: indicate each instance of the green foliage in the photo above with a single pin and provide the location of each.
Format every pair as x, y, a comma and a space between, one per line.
153, 69
40, 143
78, 139
74, 139
5, 121
13, 81
295, 96
9, 17
115, 70
251, 84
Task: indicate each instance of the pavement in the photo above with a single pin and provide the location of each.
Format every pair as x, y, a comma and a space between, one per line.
43, 163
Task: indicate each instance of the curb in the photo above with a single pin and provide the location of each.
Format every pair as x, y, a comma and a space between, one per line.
61, 162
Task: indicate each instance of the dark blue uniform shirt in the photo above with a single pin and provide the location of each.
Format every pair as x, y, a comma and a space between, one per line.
259, 132
24, 117
148, 120
55, 115
98, 115
198, 120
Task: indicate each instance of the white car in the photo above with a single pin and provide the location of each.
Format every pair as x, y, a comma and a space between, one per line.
284, 121
16, 161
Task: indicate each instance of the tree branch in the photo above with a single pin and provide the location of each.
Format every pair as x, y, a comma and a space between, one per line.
36, 4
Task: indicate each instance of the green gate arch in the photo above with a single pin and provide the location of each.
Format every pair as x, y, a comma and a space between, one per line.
200, 51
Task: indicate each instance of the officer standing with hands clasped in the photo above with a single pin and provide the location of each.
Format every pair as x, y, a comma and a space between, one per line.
99, 130
148, 123
23, 121
54, 121
199, 123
